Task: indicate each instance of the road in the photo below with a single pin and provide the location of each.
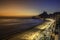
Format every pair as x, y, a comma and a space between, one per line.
13, 26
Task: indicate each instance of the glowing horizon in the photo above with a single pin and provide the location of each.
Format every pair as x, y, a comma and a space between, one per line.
15, 10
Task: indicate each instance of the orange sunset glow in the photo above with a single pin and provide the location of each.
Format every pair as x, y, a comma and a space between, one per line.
17, 10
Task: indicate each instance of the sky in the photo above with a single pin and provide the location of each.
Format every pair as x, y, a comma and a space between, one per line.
28, 7
46, 5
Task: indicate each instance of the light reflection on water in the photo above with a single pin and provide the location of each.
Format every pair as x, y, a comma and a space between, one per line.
8, 26
21, 21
